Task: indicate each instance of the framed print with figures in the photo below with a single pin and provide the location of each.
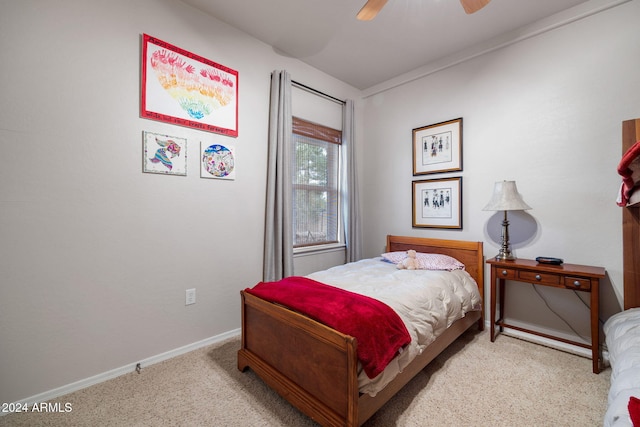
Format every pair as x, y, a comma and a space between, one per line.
437, 203
437, 148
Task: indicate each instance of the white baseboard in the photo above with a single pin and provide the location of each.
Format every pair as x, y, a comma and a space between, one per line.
87, 382
559, 345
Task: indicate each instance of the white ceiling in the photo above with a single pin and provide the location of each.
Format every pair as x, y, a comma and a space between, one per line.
405, 36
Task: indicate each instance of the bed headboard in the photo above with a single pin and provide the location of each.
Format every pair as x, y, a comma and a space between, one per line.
467, 252
631, 229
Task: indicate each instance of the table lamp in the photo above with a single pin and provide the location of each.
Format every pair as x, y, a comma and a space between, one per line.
506, 198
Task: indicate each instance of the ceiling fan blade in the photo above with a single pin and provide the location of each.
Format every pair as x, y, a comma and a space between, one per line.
472, 6
370, 9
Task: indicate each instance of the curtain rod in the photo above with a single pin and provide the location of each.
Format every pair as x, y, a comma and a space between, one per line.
317, 92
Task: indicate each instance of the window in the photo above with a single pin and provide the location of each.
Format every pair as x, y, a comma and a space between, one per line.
316, 186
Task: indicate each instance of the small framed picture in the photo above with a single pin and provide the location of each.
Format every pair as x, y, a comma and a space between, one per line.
164, 154
438, 148
217, 161
437, 203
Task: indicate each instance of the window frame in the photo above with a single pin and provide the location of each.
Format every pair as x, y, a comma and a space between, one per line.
324, 134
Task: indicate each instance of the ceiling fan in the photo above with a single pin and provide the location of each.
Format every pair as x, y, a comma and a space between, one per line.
372, 7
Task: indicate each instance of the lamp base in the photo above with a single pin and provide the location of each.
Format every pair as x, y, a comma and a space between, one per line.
505, 256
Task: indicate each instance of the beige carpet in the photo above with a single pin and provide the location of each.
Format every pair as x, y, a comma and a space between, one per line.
473, 383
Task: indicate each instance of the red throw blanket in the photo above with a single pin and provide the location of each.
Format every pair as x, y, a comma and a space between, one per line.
629, 169
379, 330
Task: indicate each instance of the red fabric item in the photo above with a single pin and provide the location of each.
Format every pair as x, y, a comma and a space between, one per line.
379, 330
629, 170
634, 411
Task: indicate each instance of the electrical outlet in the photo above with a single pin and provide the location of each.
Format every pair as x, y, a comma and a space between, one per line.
190, 297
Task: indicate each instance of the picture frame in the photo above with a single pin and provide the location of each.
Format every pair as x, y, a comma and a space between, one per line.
164, 154
437, 148
437, 203
217, 161
182, 88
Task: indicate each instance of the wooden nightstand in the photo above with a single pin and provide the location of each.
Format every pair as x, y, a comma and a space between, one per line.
568, 276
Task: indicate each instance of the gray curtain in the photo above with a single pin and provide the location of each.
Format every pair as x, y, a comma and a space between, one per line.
351, 206
278, 239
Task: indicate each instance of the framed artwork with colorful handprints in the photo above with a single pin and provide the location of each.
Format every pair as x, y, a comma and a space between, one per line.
217, 161
182, 88
164, 154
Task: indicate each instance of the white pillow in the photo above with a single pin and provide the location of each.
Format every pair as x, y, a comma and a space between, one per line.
426, 261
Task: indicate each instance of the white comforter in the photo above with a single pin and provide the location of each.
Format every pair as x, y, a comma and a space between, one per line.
428, 302
622, 332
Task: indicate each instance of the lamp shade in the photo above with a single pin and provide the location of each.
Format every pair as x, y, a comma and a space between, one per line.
506, 198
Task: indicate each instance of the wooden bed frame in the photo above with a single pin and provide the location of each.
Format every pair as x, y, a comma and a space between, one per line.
314, 367
631, 229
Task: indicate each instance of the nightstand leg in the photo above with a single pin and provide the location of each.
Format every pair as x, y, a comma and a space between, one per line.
502, 292
595, 324
493, 304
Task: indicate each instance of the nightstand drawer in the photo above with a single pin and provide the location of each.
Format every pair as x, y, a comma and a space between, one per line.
534, 277
506, 273
577, 283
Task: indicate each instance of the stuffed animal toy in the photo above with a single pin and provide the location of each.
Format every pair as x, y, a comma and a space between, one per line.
410, 262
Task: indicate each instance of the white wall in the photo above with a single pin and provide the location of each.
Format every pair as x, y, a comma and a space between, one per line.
545, 112
95, 256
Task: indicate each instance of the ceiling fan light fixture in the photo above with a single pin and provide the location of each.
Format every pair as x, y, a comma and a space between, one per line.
472, 6
370, 9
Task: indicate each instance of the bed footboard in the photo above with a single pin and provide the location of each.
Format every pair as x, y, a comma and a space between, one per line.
319, 377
